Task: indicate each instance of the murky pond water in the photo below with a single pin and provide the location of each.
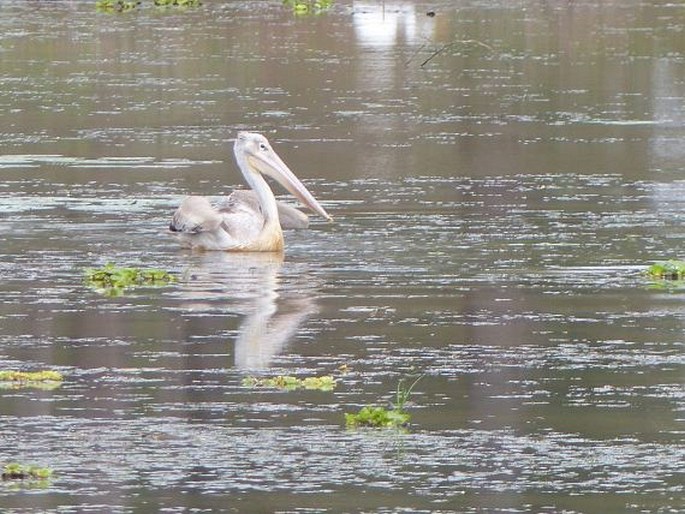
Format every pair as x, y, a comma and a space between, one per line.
494, 209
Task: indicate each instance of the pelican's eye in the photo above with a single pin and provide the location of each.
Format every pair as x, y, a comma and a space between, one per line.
263, 147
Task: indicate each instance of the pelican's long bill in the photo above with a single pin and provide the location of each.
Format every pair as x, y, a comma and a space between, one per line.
270, 164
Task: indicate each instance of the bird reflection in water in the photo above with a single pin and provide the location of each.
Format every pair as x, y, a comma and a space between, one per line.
250, 284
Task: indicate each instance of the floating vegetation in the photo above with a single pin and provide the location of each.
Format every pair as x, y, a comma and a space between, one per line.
16, 471
182, 4
304, 7
667, 270
323, 383
121, 6
11, 379
116, 6
379, 417
112, 280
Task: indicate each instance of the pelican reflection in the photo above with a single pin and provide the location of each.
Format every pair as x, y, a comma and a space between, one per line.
250, 284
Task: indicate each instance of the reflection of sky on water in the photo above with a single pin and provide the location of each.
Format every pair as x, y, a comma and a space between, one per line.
384, 24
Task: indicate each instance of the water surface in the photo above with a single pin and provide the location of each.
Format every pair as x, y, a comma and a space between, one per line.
494, 209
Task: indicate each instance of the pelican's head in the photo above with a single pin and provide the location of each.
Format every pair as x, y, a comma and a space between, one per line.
255, 155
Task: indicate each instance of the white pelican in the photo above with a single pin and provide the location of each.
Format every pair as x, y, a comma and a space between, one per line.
246, 221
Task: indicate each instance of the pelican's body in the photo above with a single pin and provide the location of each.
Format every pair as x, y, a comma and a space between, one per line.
248, 221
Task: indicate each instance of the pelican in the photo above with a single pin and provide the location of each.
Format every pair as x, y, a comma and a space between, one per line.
246, 221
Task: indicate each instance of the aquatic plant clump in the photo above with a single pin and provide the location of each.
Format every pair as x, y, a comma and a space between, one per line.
30, 376
119, 6
16, 471
323, 383
377, 417
114, 280
12, 379
303, 7
667, 270
380, 417
178, 3
122, 6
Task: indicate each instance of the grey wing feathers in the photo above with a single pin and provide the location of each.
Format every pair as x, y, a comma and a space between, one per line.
195, 215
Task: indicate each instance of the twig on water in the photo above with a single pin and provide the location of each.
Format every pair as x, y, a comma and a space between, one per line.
447, 46
417, 52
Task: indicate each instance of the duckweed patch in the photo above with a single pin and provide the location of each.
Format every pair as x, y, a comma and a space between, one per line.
113, 281
667, 270
290, 383
12, 379
17, 471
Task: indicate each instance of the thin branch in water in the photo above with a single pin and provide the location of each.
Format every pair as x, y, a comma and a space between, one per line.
436, 53
453, 43
413, 56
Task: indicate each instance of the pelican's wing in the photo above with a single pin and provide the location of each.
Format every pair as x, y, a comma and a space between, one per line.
291, 217
195, 215
200, 225
244, 203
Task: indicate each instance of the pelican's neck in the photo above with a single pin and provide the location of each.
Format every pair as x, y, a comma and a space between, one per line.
266, 198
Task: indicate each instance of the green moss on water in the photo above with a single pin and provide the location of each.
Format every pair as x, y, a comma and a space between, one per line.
290, 383
667, 270
113, 280
17, 471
